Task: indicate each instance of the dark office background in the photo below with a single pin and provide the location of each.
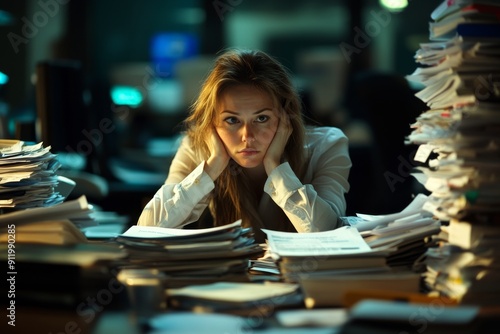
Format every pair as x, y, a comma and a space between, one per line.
363, 92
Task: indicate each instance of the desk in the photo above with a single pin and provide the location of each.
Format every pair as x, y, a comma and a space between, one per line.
48, 320
204, 324
113, 320
107, 309
40, 320
110, 319
323, 321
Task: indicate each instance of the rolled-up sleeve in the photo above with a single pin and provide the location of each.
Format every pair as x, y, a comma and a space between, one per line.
183, 197
316, 203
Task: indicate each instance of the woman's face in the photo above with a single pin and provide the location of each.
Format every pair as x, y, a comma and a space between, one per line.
246, 123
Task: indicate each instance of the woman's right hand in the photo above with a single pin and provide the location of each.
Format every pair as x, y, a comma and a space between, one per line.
219, 158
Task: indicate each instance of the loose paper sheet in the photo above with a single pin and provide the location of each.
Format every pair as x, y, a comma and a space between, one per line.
344, 240
146, 232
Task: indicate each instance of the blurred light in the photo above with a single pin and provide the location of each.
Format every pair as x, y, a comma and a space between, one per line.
394, 5
190, 15
165, 96
3, 78
168, 48
6, 18
126, 95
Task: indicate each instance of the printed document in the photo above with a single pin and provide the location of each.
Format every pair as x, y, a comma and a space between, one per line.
341, 241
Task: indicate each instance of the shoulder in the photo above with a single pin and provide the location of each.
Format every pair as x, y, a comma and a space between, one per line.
324, 136
184, 140
186, 149
183, 143
327, 149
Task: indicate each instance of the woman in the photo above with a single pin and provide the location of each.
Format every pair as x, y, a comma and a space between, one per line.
248, 155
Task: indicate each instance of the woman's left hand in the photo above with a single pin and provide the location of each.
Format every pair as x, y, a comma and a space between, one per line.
275, 151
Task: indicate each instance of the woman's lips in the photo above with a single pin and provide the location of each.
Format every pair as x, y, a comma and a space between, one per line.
248, 151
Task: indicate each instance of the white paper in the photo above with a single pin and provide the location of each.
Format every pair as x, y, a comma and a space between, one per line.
235, 291
193, 322
63, 210
326, 317
372, 221
145, 232
344, 240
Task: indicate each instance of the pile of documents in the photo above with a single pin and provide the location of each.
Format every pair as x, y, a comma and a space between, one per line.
322, 252
243, 298
60, 224
191, 256
62, 276
459, 144
264, 268
391, 242
29, 180
27, 176
371, 253
449, 14
329, 265
406, 235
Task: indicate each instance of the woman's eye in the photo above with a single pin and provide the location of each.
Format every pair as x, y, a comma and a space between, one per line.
231, 120
262, 118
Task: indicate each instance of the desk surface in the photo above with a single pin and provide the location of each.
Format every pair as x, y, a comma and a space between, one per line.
216, 323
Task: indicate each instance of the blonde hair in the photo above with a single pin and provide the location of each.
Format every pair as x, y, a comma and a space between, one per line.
232, 198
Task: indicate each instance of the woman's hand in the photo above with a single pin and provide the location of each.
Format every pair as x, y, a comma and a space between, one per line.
219, 158
275, 151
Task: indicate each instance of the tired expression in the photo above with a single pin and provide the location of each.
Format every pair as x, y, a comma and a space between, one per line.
246, 122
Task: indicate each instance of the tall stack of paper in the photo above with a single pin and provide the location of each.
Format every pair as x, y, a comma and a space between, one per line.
27, 176
29, 180
191, 256
449, 14
459, 140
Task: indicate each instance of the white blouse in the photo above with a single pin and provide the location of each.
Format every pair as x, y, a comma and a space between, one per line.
312, 204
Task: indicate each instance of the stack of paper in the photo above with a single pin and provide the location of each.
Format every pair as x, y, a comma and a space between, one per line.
449, 14
27, 176
459, 146
406, 235
189, 256
318, 252
329, 264
264, 268
59, 224
236, 297
61, 276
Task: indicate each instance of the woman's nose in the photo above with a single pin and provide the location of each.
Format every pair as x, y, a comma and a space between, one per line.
247, 134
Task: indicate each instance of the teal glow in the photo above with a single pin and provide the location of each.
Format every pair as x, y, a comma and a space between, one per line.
394, 5
3, 78
126, 95
6, 18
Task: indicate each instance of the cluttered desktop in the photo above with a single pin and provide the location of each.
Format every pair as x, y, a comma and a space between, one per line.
75, 262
